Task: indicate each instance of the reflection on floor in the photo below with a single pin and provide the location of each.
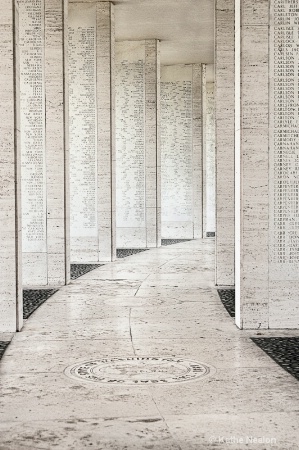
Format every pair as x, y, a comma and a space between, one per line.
152, 316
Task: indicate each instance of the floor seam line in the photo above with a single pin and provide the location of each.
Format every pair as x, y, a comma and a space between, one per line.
131, 336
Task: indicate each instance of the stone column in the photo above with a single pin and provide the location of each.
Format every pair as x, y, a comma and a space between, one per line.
252, 164
137, 144
91, 126
106, 131
42, 138
224, 115
267, 236
56, 169
209, 226
181, 151
11, 304
152, 147
197, 151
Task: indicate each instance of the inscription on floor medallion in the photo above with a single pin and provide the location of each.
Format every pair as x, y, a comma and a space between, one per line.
139, 370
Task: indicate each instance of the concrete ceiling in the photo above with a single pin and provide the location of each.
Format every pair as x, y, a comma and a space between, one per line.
184, 27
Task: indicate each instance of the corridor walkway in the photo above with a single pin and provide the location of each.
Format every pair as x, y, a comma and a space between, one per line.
162, 304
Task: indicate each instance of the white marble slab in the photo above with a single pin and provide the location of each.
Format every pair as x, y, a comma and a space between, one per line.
136, 143
225, 139
82, 124
91, 129
10, 231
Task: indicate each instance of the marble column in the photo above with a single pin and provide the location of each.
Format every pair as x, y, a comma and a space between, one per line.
56, 168
197, 141
91, 126
208, 113
181, 151
152, 147
267, 143
11, 305
224, 116
137, 144
42, 137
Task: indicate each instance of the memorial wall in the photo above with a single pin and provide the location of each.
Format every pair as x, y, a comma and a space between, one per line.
11, 303
83, 131
90, 64
284, 164
136, 144
181, 150
42, 138
225, 140
267, 155
32, 139
209, 181
209, 156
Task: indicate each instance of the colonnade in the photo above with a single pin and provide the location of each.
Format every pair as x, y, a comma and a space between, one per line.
104, 148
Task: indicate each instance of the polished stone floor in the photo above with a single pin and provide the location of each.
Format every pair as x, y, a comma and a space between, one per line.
157, 304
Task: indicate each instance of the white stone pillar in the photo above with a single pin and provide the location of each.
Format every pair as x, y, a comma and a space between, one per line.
11, 304
209, 175
267, 197
152, 147
91, 127
197, 140
181, 151
224, 114
137, 144
42, 137
106, 131
56, 169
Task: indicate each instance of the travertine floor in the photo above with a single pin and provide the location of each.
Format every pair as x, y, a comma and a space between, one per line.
155, 303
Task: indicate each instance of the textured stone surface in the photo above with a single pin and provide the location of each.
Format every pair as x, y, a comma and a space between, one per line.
224, 116
137, 144
142, 370
283, 198
267, 151
92, 149
57, 201
208, 152
10, 230
181, 140
252, 169
283, 350
149, 305
42, 91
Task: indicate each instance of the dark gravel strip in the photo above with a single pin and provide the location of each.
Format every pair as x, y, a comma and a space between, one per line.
283, 350
77, 270
33, 298
210, 234
124, 252
227, 296
3, 346
173, 241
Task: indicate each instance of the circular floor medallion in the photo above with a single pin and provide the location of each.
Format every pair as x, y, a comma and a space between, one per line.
139, 370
